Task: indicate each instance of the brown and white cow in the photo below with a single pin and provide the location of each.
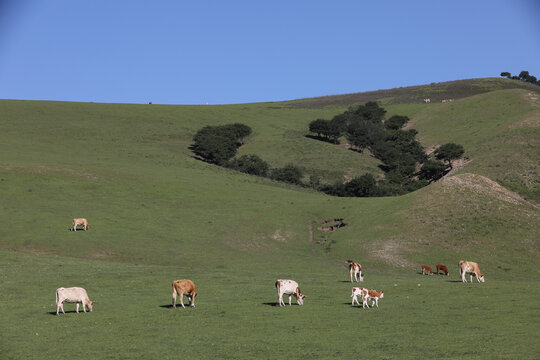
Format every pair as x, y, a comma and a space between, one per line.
427, 270
366, 295
72, 295
357, 291
181, 287
80, 221
355, 269
289, 287
442, 268
374, 295
471, 268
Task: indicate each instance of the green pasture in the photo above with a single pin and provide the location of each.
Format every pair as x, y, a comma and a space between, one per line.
158, 214
236, 314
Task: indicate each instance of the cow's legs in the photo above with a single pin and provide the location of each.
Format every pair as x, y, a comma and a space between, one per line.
192, 300
470, 278
182, 300
83, 306
57, 308
77, 308
290, 296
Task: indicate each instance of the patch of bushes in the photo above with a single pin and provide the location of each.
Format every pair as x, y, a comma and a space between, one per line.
402, 155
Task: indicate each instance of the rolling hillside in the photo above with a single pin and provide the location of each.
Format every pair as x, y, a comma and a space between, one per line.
156, 213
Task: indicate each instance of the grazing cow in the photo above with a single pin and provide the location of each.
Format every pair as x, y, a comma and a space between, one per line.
72, 295
366, 295
443, 269
427, 270
471, 268
289, 287
80, 221
428, 100
181, 287
356, 270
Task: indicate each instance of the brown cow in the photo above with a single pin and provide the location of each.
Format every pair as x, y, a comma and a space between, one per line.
181, 287
427, 270
80, 221
443, 269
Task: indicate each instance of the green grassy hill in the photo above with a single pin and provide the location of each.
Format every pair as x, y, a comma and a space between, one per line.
157, 214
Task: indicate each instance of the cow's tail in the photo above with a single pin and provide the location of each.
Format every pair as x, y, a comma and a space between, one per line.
56, 297
277, 284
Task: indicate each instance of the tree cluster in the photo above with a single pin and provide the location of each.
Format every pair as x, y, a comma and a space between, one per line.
405, 163
523, 76
218, 145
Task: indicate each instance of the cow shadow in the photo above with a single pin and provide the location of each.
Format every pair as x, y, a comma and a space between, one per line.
274, 304
453, 281
67, 312
168, 306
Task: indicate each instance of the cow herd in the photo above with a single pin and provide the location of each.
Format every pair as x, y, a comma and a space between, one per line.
288, 287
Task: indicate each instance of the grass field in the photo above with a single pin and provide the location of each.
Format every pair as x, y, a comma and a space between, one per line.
157, 214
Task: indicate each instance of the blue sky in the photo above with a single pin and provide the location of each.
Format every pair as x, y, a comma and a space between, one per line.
224, 52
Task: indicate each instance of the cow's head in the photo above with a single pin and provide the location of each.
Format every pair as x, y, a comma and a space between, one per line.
361, 277
481, 279
89, 304
301, 298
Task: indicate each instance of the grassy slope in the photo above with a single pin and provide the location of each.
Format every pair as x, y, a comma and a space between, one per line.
157, 214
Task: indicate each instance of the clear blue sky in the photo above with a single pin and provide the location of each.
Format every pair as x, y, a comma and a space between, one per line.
223, 52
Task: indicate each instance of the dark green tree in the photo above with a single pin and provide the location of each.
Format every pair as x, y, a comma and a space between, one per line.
449, 152
396, 122
432, 170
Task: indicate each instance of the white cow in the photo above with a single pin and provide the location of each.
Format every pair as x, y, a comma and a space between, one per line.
72, 295
289, 287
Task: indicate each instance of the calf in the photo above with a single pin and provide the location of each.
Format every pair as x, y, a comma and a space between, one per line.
471, 268
374, 295
366, 295
80, 221
72, 295
355, 269
289, 287
356, 291
427, 270
443, 269
181, 287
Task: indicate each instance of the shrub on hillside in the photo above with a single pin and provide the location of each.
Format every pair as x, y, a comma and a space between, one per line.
218, 144
289, 174
250, 164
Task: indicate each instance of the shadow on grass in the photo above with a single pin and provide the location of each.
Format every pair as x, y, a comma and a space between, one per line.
67, 312
275, 304
453, 281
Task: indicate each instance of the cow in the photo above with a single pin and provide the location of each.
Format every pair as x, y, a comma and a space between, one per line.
289, 287
471, 268
427, 101
181, 287
366, 295
356, 270
427, 270
80, 221
357, 291
374, 295
72, 295
443, 269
